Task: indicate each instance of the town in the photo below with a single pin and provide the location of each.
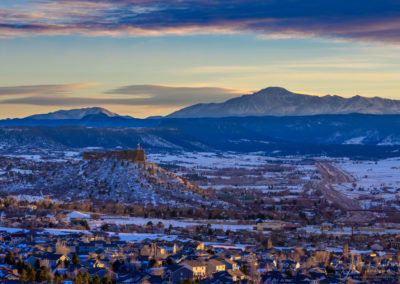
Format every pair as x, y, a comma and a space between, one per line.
127, 217
74, 247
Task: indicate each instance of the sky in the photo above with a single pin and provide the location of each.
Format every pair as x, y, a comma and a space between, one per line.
152, 57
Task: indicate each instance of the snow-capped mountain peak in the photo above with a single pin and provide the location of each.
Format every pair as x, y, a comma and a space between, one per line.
281, 102
74, 113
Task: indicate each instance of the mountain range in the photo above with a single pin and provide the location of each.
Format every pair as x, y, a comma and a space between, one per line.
281, 102
271, 101
339, 134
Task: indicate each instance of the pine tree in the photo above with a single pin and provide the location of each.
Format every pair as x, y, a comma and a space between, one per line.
43, 275
107, 280
20, 265
269, 244
31, 275
10, 258
58, 279
75, 259
244, 269
24, 276
37, 264
96, 279
86, 278
78, 279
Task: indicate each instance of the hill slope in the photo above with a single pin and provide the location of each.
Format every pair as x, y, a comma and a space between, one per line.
103, 180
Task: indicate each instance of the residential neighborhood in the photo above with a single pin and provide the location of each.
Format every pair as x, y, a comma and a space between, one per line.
276, 256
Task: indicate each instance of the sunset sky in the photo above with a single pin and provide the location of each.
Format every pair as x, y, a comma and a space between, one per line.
143, 58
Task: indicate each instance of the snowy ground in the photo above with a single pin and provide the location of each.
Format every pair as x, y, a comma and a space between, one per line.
375, 180
53, 156
216, 160
348, 231
140, 221
253, 171
127, 237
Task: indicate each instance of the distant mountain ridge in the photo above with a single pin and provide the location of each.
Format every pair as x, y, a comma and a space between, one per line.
346, 135
349, 135
271, 101
278, 101
73, 114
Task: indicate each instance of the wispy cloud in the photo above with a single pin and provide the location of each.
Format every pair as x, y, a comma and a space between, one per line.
145, 95
42, 89
174, 95
367, 20
65, 101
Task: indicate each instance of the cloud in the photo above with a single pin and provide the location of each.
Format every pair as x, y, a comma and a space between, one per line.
60, 101
335, 63
365, 20
174, 95
157, 95
42, 89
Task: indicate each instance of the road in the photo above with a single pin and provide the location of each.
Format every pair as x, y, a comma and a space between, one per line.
333, 175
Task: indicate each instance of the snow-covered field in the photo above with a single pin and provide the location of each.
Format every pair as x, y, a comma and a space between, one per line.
215, 160
348, 231
60, 156
253, 171
374, 179
133, 237
140, 221
374, 172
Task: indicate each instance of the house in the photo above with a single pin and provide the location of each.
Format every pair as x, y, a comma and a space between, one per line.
154, 251
200, 246
98, 264
134, 277
178, 273
18, 237
152, 279
73, 270
394, 243
101, 272
214, 265
31, 260
230, 264
220, 277
49, 260
85, 248
197, 266
270, 226
236, 275
53, 259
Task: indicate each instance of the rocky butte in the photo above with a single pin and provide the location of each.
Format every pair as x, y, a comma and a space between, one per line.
135, 156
